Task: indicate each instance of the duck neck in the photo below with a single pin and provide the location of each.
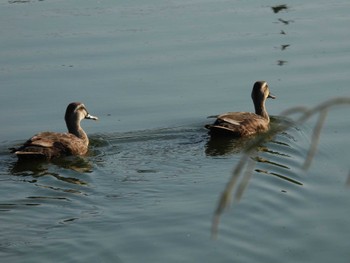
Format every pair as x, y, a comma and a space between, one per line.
76, 129
261, 110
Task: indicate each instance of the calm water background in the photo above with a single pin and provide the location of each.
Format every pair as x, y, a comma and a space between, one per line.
153, 71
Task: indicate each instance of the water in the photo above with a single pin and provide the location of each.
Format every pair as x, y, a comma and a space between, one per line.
152, 72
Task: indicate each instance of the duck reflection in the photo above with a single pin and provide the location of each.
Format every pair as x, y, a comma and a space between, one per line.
37, 168
78, 164
226, 145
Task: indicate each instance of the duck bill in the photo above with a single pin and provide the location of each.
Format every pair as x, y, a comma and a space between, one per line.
271, 96
90, 117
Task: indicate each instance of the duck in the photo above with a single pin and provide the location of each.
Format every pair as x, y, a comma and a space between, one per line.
49, 145
244, 124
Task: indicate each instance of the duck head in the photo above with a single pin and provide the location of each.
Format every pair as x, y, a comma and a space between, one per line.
75, 112
261, 92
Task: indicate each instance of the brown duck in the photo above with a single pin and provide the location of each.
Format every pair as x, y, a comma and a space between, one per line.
48, 145
242, 124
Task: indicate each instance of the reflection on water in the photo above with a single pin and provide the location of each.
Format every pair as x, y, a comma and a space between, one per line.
286, 22
19, 1
281, 62
219, 146
284, 47
264, 154
39, 168
279, 176
276, 9
273, 163
76, 163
